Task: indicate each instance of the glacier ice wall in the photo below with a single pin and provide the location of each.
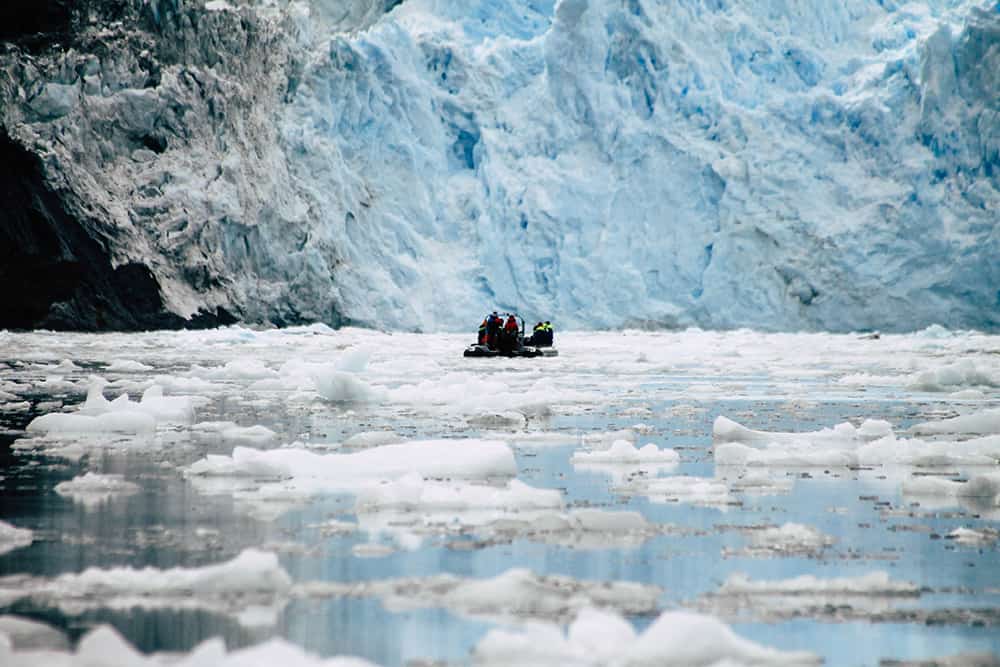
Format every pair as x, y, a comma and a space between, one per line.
775, 164
778, 164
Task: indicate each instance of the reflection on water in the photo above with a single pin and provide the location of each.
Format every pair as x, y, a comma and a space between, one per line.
173, 521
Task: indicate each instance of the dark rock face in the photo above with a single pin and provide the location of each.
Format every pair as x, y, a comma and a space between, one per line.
103, 103
56, 274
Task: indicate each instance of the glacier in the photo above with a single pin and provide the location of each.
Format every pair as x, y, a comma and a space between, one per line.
780, 164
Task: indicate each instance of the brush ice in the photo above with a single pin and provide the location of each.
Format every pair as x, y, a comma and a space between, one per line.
600, 638
128, 366
12, 537
873, 583
961, 374
93, 488
623, 451
695, 490
983, 451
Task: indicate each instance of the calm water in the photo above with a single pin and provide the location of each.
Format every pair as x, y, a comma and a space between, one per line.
674, 385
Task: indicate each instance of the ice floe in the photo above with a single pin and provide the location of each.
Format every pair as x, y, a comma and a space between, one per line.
465, 458
105, 647
981, 423
873, 583
788, 539
12, 537
601, 638
229, 432
23, 633
515, 595
250, 579
414, 492
94, 488
623, 451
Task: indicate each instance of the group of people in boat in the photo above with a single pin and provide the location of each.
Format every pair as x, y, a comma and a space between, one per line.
496, 333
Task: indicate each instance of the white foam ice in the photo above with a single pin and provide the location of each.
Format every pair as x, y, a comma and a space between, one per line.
874, 583
600, 638
12, 537
104, 647
93, 488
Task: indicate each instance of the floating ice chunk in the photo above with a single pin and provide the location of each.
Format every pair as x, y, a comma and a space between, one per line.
759, 482
430, 458
975, 452
873, 583
218, 6
93, 489
604, 440
517, 594
174, 409
15, 406
971, 536
238, 369
696, 490
985, 486
12, 537
373, 439
736, 454
249, 578
128, 366
137, 423
230, 432
789, 538
599, 638
510, 419
980, 423
24, 634
845, 434
967, 395
343, 387
964, 373
623, 451
413, 492
104, 647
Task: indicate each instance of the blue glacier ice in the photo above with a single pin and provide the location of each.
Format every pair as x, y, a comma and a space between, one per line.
778, 164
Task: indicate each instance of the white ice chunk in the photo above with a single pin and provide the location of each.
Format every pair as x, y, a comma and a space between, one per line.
623, 451
430, 458
413, 492
93, 488
373, 439
12, 537
965, 373
981, 423
600, 638
230, 432
986, 486
128, 366
232, 585
26, 634
873, 583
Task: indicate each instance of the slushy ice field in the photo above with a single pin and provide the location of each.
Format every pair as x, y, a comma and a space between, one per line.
289, 497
